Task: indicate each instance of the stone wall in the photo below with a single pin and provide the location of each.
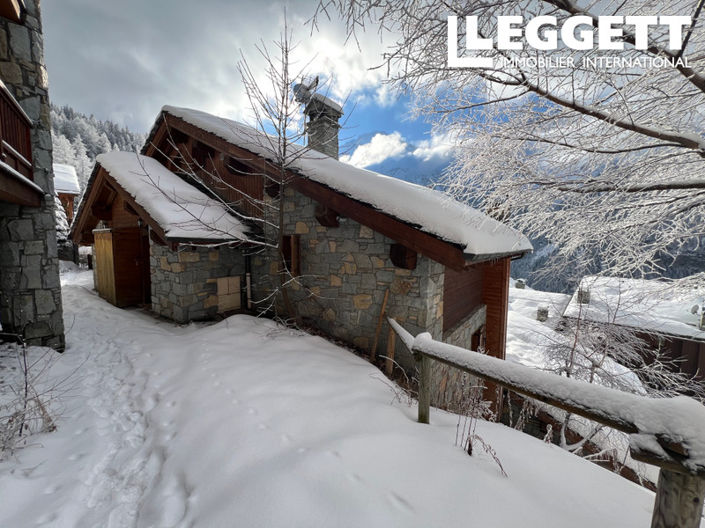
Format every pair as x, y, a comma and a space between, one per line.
30, 293
184, 283
345, 272
453, 386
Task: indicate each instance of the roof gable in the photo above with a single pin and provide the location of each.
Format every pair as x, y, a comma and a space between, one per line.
476, 235
176, 210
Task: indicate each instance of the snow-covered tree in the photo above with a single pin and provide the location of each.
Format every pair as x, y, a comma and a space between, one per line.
606, 161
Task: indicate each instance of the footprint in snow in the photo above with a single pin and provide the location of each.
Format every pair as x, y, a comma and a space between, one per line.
399, 502
251, 410
354, 477
46, 519
49, 490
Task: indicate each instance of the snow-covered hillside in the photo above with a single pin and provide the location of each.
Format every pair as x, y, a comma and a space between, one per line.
247, 424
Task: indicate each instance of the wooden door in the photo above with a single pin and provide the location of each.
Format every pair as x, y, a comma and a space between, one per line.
104, 265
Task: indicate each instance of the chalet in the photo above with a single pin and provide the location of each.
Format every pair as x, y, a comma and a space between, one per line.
358, 243
66, 187
30, 294
672, 320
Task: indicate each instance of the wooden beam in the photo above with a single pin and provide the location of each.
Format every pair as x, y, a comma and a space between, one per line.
326, 216
434, 248
101, 181
101, 212
14, 191
402, 257
439, 250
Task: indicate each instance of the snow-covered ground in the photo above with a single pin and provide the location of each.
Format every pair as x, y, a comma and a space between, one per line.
246, 424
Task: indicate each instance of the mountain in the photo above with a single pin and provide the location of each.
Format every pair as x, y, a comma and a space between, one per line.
77, 139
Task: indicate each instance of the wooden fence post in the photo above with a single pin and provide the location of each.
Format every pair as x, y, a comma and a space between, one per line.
423, 364
679, 500
391, 345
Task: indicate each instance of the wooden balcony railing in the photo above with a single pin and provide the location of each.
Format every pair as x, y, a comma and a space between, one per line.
667, 432
15, 139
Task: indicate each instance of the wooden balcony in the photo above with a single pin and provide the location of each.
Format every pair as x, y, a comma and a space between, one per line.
16, 170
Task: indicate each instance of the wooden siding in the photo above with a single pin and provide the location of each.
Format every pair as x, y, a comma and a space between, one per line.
105, 270
690, 356
230, 172
15, 141
495, 294
130, 263
122, 266
66, 200
462, 294
122, 215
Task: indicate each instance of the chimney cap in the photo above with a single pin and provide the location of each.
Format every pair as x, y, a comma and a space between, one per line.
320, 103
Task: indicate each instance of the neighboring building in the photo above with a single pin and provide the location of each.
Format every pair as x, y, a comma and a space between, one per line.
66, 187
30, 293
671, 320
352, 237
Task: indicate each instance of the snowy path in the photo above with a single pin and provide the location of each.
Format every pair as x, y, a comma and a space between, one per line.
245, 424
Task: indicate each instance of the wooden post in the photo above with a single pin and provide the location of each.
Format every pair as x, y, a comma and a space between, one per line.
391, 345
423, 364
679, 500
373, 350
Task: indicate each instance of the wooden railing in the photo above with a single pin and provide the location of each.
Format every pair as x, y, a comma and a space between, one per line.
668, 432
15, 139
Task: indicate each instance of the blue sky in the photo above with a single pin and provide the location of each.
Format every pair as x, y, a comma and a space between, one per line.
124, 60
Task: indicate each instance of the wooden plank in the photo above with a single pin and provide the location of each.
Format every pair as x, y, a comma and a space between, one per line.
87, 221
679, 500
434, 248
104, 266
462, 294
13, 191
373, 350
391, 345
423, 365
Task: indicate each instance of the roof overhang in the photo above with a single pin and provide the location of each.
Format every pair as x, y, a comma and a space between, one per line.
98, 199
17, 189
442, 251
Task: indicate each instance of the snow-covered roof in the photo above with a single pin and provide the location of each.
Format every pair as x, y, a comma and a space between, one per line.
651, 305
65, 179
431, 211
181, 210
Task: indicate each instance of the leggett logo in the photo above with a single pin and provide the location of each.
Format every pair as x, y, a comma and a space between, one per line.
576, 33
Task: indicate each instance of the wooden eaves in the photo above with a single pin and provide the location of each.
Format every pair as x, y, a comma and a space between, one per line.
93, 209
442, 251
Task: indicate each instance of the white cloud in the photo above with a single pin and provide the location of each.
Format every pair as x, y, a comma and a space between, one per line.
380, 148
440, 145
141, 55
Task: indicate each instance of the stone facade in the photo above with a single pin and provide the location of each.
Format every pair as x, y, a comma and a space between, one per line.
345, 272
30, 293
184, 283
453, 386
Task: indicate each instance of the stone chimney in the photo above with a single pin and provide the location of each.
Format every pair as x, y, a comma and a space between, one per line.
322, 126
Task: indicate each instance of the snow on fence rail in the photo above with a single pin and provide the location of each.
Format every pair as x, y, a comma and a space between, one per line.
666, 432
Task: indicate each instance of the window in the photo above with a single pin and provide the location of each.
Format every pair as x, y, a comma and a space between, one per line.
292, 254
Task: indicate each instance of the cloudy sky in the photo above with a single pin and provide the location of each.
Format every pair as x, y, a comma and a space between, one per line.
123, 60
